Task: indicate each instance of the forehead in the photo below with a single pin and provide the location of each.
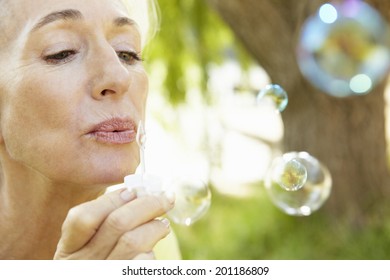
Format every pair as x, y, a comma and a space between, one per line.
19, 15
24, 11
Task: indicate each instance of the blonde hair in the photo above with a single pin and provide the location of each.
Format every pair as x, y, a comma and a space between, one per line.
146, 15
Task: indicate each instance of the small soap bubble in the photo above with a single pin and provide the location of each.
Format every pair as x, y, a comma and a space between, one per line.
290, 174
344, 49
311, 195
193, 200
274, 94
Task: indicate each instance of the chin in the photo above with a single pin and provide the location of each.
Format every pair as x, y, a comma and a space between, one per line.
116, 176
108, 170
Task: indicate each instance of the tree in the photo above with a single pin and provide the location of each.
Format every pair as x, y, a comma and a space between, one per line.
190, 35
348, 134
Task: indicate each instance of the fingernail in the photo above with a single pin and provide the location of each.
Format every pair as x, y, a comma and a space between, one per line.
170, 196
166, 222
127, 195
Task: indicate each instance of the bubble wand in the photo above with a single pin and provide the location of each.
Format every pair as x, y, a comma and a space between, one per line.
141, 140
141, 182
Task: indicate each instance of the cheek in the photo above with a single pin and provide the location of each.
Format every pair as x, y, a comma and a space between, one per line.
39, 105
34, 114
139, 91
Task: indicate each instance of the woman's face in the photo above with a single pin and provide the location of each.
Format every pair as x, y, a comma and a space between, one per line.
72, 89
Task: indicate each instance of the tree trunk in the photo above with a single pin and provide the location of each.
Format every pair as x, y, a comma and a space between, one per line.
348, 134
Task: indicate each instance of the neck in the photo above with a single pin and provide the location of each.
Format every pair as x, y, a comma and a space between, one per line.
33, 209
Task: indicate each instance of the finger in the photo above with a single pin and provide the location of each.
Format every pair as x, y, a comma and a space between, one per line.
145, 256
83, 221
127, 218
141, 240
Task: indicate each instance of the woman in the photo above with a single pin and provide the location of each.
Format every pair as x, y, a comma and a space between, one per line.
72, 91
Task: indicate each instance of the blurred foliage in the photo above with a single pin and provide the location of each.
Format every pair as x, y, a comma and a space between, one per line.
191, 36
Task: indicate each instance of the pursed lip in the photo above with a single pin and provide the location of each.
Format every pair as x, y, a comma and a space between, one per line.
114, 131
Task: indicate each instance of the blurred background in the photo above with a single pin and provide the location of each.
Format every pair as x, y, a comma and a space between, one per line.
207, 65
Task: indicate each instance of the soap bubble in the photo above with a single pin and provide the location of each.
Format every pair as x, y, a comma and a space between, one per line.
289, 173
274, 94
344, 48
193, 199
310, 196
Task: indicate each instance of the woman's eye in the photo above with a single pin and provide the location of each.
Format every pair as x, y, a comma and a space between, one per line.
129, 57
59, 57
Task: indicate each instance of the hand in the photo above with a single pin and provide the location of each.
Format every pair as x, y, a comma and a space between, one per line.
116, 225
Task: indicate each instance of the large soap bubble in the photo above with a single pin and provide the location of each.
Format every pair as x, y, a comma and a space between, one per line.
344, 49
193, 200
314, 184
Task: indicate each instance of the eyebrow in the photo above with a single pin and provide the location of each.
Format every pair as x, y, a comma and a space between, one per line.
71, 14
123, 21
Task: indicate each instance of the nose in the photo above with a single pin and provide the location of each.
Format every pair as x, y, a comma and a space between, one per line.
110, 77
